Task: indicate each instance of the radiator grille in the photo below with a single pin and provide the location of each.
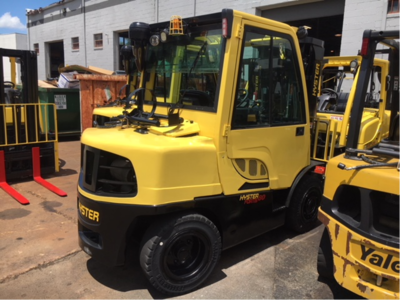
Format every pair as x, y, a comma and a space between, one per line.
108, 174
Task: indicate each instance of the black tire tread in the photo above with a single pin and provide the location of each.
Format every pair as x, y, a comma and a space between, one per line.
325, 266
151, 240
293, 217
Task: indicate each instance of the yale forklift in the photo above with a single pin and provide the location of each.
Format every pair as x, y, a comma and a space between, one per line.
360, 206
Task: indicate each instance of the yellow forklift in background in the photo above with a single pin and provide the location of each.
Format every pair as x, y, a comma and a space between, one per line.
360, 205
27, 145
103, 114
338, 82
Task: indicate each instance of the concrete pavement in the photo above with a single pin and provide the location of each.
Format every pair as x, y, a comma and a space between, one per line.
41, 259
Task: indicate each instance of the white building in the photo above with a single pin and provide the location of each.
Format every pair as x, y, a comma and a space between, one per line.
90, 32
12, 41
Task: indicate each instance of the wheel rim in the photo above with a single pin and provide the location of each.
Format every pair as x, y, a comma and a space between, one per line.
186, 256
311, 202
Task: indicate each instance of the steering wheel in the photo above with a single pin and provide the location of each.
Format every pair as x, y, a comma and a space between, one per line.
121, 91
137, 98
325, 103
242, 97
330, 92
9, 83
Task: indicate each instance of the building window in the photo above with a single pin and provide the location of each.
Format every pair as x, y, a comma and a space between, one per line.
98, 40
36, 48
393, 6
75, 43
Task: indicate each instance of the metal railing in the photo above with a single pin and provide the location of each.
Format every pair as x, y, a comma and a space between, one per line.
28, 123
325, 140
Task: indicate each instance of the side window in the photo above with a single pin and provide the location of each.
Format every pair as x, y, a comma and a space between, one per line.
269, 91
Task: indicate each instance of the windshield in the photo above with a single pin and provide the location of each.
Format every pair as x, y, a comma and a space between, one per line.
186, 67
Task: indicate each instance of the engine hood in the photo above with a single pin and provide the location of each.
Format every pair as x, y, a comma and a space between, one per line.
168, 168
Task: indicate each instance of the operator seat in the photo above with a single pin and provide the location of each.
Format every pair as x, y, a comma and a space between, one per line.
342, 102
194, 97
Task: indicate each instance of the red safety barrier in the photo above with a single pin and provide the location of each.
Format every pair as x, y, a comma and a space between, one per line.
37, 175
5, 186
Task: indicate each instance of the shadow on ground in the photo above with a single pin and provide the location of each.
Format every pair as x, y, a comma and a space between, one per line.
131, 277
338, 291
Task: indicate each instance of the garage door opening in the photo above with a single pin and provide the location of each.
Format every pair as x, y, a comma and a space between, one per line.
55, 58
328, 29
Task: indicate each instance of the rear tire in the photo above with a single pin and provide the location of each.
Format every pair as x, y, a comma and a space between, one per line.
325, 257
178, 254
302, 214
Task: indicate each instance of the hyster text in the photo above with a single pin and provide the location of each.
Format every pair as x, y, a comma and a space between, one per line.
252, 198
89, 213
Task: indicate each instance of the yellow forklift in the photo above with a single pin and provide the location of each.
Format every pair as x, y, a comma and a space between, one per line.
202, 164
338, 80
360, 206
28, 147
104, 113
212, 150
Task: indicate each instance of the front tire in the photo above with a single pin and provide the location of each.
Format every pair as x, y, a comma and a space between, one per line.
178, 254
325, 257
302, 214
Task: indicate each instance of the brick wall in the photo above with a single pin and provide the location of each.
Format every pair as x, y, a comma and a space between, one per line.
360, 15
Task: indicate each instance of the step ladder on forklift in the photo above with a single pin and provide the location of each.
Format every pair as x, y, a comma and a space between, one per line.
28, 146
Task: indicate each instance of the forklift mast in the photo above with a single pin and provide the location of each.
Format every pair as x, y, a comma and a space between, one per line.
312, 51
24, 122
29, 80
371, 39
360, 205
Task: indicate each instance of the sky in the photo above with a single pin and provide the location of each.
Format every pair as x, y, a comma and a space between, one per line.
13, 14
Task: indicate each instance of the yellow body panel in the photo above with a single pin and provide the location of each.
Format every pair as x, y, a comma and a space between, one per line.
245, 144
109, 112
184, 129
382, 178
356, 269
248, 144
